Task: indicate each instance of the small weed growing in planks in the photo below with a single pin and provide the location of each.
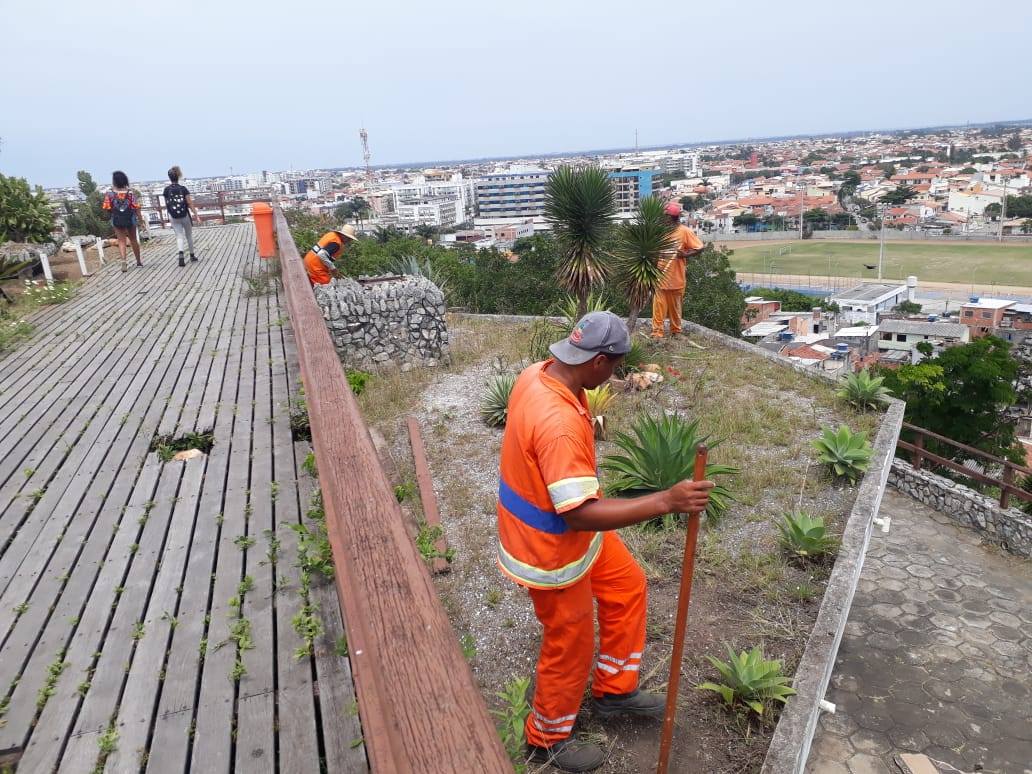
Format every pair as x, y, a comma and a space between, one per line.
341, 646
426, 539
20, 609
107, 743
28, 472
138, 631
243, 542
54, 671
403, 492
308, 626
274, 488
308, 466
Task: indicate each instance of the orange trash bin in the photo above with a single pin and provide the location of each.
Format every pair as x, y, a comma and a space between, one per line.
262, 214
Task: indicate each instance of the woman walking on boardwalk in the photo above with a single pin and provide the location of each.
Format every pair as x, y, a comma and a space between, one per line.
179, 206
125, 210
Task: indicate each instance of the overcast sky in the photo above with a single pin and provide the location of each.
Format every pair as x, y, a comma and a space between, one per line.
228, 85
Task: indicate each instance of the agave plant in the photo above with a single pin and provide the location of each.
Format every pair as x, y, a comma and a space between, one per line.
863, 391
567, 308
580, 206
805, 536
494, 408
414, 267
598, 401
638, 248
659, 452
749, 679
848, 454
633, 360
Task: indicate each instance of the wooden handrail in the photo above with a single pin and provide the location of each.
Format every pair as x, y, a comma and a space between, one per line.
419, 704
969, 449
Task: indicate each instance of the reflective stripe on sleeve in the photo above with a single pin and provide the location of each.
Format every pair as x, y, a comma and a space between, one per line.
572, 490
536, 577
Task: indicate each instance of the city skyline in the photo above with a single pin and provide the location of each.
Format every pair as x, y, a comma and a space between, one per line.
268, 86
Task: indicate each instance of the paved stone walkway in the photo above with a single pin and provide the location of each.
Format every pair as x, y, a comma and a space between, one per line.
937, 654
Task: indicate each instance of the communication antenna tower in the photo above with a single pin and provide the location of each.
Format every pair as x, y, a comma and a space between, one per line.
366, 155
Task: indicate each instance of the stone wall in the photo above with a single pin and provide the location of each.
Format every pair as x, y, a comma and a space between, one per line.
379, 320
1009, 528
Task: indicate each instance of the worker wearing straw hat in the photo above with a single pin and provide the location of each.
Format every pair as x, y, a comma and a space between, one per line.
319, 261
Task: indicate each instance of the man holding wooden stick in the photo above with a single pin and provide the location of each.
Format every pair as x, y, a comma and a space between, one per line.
557, 539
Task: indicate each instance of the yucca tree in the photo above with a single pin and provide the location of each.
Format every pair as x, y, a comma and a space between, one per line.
580, 206
638, 248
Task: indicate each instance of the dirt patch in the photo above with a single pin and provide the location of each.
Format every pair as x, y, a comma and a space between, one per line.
745, 593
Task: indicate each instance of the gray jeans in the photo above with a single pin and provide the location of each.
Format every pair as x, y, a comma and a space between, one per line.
184, 233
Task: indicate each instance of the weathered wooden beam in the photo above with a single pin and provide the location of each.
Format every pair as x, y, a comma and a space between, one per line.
420, 707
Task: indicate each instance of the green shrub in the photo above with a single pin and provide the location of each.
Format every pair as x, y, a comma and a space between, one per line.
846, 453
494, 408
512, 719
805, 536
657, 454
357, 381
25, 215
633, 360
863, 391
749, 679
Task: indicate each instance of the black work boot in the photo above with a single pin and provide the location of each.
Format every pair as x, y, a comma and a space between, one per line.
193, 257
639, 703
181, 261
569, 755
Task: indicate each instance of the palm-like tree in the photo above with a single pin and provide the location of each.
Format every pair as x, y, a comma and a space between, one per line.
639, 245
580, 206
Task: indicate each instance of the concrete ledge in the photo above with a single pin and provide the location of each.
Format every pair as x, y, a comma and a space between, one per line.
1010, 528
790, 745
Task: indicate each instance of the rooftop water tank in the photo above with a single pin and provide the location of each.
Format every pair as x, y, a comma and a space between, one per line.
972, 299
933, 317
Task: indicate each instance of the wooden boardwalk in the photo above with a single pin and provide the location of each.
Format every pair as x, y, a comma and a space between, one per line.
149, 610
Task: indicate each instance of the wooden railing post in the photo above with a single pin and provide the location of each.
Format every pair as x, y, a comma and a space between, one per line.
1008, 480
918, 455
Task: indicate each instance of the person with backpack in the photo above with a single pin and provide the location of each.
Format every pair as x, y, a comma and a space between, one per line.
125, 209
179, 206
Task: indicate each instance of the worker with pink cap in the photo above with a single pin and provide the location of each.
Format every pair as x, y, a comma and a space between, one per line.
669, 297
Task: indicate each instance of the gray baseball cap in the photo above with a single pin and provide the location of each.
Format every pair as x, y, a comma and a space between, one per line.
597, 333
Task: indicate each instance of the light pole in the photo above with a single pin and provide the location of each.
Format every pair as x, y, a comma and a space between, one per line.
881, 242
1003, 210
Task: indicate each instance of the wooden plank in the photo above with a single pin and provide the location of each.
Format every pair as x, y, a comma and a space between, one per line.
420, 706
338, 705
427, 496
256, 715
297, 735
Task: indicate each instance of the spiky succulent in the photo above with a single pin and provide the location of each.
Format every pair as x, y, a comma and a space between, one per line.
494, 408
863, 391
846, 453
805, 536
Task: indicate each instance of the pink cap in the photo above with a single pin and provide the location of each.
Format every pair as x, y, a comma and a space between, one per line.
673, 208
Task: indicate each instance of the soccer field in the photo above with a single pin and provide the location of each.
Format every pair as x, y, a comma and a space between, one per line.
931, 262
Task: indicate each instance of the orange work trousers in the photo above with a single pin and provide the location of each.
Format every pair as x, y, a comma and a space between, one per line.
617, 583
667, 304
318, 274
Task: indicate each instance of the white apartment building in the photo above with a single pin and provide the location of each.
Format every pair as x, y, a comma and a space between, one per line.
442, 213
860, 305
518, 192
972, 203
422, 189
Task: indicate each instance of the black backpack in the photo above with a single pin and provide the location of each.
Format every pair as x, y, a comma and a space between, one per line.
175, 201
121, 210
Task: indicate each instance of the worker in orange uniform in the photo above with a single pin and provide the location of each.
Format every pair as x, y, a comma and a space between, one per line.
557, 539
669, 298
319, 260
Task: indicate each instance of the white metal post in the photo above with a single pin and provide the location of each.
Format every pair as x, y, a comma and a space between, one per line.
100, 250
881, 244
46, 267
82, 259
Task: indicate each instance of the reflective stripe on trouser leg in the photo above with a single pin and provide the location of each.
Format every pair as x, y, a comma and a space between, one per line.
618, 583
674, 302
564, 664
